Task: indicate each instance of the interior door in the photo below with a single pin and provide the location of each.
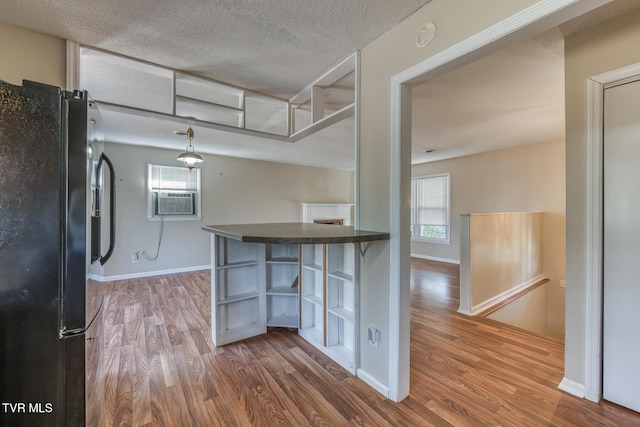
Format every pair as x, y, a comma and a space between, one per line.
621, 329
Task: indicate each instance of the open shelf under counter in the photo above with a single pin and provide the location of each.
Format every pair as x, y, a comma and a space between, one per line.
342, 313
236, 298
237, 264
283, 290
304, 276
341, 276
314, 299
283, 321
314, 267
282, 260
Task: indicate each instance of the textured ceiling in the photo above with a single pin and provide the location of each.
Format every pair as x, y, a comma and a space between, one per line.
512, 97
277, 47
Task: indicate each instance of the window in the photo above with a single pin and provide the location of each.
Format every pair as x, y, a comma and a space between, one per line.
173, 193
430, 208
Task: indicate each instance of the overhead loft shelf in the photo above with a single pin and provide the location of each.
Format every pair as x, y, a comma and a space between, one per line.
336, 117
130, 86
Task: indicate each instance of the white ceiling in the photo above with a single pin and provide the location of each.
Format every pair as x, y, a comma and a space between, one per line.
512, 97
278, 47
275, 47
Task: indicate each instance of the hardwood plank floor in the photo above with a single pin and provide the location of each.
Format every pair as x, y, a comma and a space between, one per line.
157, 367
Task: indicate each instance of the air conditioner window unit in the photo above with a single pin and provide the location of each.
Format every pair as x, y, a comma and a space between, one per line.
175, 203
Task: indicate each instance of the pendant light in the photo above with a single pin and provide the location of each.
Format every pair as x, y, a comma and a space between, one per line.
189, 157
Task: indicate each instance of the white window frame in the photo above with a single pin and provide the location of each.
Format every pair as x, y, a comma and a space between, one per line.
196, 216
414, 209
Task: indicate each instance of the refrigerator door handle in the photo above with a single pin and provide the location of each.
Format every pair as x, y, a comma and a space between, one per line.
112, 206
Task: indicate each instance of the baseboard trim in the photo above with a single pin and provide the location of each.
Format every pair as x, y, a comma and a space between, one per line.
371, 381
435, 258
148, 273
572, 387
464, 311
479, 308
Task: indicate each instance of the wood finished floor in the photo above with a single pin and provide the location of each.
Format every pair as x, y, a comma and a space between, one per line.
156, 366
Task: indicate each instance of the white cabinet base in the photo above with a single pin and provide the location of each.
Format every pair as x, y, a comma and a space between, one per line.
330, 301
310, 287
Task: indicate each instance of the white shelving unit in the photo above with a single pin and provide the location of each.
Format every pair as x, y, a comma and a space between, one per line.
133, 86
311, 287
237, 302
208, 100
255, 286
330, 295
312, 311
342, 304
282, 271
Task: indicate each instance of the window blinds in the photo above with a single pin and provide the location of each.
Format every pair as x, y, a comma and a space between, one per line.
431, 199
173, 178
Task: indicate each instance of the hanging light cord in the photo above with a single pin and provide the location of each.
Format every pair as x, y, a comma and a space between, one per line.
147, 257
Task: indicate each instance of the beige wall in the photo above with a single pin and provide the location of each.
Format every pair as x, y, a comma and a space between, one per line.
234, 191
529, 178
25, 55
505, 252
525, 311
605, 47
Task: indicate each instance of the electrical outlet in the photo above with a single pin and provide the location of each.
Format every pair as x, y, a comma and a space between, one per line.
374, 337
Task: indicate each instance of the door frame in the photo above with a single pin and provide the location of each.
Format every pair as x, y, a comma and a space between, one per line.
595, 208
534, 19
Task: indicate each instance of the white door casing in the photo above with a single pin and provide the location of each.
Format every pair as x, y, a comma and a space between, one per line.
592, 387
538, 17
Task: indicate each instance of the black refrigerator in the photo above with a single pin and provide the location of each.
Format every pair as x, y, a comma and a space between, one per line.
51, 181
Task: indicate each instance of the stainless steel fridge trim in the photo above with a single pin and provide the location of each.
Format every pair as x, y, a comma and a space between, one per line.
112, 206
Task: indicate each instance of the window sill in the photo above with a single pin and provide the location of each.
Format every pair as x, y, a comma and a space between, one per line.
428, 240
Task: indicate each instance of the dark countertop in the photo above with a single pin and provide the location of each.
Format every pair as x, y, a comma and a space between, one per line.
295, 232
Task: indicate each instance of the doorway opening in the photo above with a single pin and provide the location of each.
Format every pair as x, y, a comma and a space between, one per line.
536, 19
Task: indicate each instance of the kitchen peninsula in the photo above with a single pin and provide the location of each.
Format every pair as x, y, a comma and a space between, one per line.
296, 275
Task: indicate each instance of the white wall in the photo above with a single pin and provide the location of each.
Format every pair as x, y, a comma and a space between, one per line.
233, 191
605, 47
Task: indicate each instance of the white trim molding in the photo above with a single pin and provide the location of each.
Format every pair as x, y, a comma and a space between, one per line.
147, 273
572, 387
540, 16
480, 307
435, 258
371, 381
595, 143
